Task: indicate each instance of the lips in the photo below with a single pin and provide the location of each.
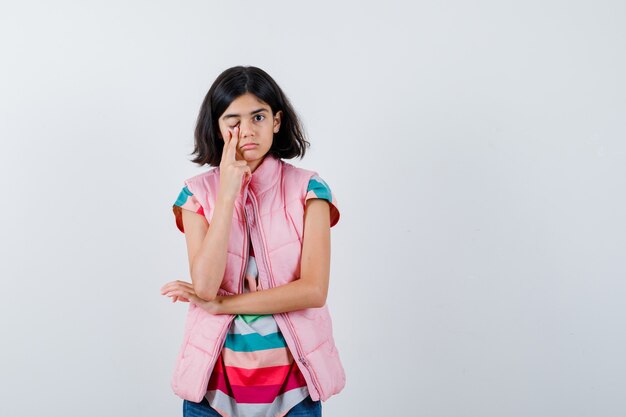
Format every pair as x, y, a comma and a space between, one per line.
248, 146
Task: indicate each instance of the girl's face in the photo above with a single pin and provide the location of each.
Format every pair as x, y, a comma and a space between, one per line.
256, 124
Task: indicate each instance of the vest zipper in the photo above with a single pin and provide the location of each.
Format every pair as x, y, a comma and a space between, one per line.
299, 350
246, 242
302, 359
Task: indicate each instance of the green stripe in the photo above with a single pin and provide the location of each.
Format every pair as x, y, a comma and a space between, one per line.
249, 318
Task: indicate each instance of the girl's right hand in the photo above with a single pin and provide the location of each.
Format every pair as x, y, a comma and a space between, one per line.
232, 170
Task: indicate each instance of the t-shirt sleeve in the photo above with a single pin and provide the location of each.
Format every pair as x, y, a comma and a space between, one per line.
318, 188
185, 201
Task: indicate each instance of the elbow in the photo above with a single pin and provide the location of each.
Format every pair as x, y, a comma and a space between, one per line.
202, 290
318, 297
206, 295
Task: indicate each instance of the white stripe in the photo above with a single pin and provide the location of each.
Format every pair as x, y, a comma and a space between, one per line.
263, 326
280, 406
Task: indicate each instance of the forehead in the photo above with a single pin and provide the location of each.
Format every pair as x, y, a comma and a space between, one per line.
245, 105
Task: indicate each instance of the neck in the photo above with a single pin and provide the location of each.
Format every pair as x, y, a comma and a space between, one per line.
255, 164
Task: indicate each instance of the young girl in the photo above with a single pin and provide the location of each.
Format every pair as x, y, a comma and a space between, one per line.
258, 338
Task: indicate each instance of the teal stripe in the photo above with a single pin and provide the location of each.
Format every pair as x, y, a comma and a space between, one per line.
320, 188
183, 196
254, 341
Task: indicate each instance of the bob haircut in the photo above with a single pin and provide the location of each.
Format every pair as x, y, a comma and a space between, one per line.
288, 143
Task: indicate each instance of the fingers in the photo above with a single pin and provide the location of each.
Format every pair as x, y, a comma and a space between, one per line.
182, 295
174, 285
179, 291
225, 150
235, 143
179, 298
230, 146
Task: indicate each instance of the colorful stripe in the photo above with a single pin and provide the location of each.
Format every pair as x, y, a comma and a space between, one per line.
255, 373
187, 201
318, 188
254, 341
280, 407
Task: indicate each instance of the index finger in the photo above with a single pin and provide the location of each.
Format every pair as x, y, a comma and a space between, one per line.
230, 147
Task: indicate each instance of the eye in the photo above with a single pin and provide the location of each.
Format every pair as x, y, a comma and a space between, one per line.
259, 115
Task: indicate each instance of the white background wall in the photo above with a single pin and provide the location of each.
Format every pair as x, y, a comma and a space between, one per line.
476, 150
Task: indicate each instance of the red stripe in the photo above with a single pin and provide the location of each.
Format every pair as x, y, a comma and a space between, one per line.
255, 393
270, 375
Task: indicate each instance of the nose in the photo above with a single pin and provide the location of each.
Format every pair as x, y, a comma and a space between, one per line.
246, 128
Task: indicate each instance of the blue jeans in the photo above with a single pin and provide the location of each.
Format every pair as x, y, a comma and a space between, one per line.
305, 408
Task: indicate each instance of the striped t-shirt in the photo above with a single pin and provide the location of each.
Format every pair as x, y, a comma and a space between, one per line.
255, 373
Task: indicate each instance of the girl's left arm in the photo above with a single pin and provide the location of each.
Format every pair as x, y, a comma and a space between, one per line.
310, 290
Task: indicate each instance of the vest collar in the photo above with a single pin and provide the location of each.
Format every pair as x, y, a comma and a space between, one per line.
265, 175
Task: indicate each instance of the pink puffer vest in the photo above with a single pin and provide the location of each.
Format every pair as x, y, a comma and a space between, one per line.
272, 207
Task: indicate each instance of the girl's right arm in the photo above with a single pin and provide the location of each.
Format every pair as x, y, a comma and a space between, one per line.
207, 246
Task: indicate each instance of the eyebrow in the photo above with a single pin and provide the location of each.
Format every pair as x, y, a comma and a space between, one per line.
228, 116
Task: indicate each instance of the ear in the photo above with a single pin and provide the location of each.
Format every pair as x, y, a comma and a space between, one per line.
277, 119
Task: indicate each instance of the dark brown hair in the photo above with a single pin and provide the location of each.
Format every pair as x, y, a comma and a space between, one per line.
288, 143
